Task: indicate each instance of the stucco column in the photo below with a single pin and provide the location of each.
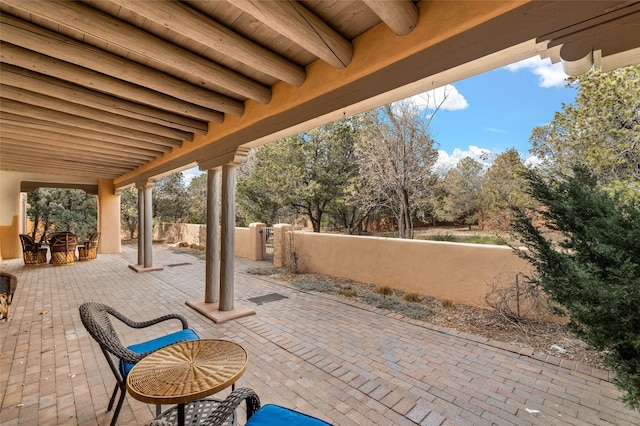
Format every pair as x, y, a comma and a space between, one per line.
109, 217
212, 269
228, 246
141, 230
145, 228
148, 225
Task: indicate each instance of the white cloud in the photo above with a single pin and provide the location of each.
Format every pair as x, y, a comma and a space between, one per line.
189, 174
446, 162
533, 161
549, 75
453, 100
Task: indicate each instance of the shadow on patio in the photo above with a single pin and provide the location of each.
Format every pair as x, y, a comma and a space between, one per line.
347, 363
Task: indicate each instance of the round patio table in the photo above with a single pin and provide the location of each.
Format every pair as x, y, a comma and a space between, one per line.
187, 371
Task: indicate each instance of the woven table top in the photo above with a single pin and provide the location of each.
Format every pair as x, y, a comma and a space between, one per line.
187, 371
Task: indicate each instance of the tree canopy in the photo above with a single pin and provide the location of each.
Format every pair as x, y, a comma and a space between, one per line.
53, 209
601, 130
591, 269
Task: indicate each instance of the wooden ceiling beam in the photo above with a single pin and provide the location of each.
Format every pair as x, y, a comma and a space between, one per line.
23, 58
191, 24
28, 80
51, 165
52, 151
32, 111
37, 39
302, 27
42, 101
401, 16
49, 145
13, 119
29, 135
112, 31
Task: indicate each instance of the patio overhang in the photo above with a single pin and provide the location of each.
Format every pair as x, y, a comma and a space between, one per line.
124, 91
116, 92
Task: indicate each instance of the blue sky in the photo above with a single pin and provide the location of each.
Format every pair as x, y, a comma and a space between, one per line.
498, 110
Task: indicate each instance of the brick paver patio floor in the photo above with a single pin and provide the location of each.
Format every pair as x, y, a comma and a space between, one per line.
342, 361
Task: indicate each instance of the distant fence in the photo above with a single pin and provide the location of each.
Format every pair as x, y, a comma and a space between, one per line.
463, 273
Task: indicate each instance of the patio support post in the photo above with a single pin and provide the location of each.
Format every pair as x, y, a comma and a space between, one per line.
148, 225
140, 187
212, 262
227, 254
145, 230
228, 246
218, 302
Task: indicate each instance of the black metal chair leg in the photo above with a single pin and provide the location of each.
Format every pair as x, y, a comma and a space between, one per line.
118, 407
113, 398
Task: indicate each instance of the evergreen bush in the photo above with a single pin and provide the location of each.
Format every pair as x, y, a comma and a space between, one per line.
592, 266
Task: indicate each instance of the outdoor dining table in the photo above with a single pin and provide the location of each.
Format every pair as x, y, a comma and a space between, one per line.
187, 371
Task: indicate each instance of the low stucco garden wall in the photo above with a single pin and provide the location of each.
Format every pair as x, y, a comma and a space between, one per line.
462, 273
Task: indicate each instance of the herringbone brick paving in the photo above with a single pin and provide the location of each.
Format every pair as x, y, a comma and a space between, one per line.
342, 361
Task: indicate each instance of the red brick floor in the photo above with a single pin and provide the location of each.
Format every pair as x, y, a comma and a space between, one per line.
342, 361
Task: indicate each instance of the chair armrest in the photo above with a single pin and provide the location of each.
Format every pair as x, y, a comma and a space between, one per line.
142, 324
225, 409
231, 403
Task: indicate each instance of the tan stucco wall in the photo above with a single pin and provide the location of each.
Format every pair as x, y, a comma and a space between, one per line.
180, 232
108, 218
247, 243
459, 272
10, 214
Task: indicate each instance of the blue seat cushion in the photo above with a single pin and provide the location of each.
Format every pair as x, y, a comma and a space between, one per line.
270, 414
155, 344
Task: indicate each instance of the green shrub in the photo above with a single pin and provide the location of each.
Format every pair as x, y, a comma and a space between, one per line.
593, 273
408, 309
314, 284
347, 292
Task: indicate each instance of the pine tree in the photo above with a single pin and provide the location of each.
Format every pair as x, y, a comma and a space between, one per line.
591, 269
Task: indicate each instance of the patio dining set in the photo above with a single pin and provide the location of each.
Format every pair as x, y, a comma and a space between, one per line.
183, 370
63, 247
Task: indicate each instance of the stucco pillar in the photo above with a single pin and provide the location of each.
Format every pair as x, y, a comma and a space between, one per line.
257, 241
212, 269
225, 165
280, 249
140, 187
145, 228
108, 217
228, 246
148, 225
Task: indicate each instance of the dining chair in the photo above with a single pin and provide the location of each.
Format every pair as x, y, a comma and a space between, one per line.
63, 248
89, 249
33, 253
96, 318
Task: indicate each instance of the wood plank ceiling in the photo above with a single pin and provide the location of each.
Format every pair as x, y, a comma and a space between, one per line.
99, 88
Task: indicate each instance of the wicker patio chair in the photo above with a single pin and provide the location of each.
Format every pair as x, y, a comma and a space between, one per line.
89, 250
223, 413
63, 248
96, 318
33, 253
212, 411
8, 285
